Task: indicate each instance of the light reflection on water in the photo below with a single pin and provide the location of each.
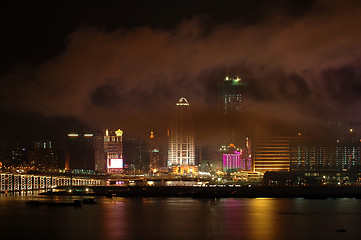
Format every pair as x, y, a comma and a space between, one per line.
181, 218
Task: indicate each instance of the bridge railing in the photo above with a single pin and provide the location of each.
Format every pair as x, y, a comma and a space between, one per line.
11, 182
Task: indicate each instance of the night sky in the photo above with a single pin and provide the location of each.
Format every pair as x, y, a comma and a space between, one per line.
77, 65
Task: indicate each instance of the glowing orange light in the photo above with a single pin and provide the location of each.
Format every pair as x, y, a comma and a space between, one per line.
119, 133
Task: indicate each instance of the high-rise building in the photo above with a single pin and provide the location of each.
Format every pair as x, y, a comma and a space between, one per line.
100, 154
44, 155
154, 152
231, 93
109, 151
80, 152
181, 136
113, 143
136, 154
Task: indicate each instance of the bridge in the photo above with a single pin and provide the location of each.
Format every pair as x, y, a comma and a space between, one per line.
12, 182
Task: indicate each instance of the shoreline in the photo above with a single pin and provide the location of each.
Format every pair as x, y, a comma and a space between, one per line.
316, 192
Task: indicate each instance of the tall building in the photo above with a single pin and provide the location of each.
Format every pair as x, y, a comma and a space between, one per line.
109, 151
100, 154
44, 155
136, 154
154, 152
231, 93
80, 152
113, 143
181, 136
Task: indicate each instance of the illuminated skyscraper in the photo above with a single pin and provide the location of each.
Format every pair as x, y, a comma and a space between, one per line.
231, 92
109, 151
113, 143
181, 136
113, 146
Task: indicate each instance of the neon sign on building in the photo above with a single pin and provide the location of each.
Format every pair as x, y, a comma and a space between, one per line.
115, 163
233, 161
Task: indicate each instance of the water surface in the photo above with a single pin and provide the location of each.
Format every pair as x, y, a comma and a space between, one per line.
182, 218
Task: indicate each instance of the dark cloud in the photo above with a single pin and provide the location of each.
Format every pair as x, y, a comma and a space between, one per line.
298, 62
343, 84
105, 96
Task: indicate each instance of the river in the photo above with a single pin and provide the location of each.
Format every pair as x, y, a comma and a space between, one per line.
181, 218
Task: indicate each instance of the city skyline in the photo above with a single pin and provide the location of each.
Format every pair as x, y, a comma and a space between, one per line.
232, 119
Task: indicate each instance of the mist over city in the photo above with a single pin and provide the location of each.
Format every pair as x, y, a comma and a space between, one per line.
300, 62
180, 119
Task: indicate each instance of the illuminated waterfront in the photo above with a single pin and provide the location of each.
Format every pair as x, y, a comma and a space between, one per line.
180, 120
182, 218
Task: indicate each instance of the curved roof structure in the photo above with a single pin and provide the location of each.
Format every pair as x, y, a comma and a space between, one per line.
183, 101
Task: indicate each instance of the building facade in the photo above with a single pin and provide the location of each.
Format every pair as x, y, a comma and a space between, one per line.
136, 155
181, 148
333, 154
235, 159
305, 153
271, 154
231, 93
44, 155
109, 151
232, 160
80, 151
154, 153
